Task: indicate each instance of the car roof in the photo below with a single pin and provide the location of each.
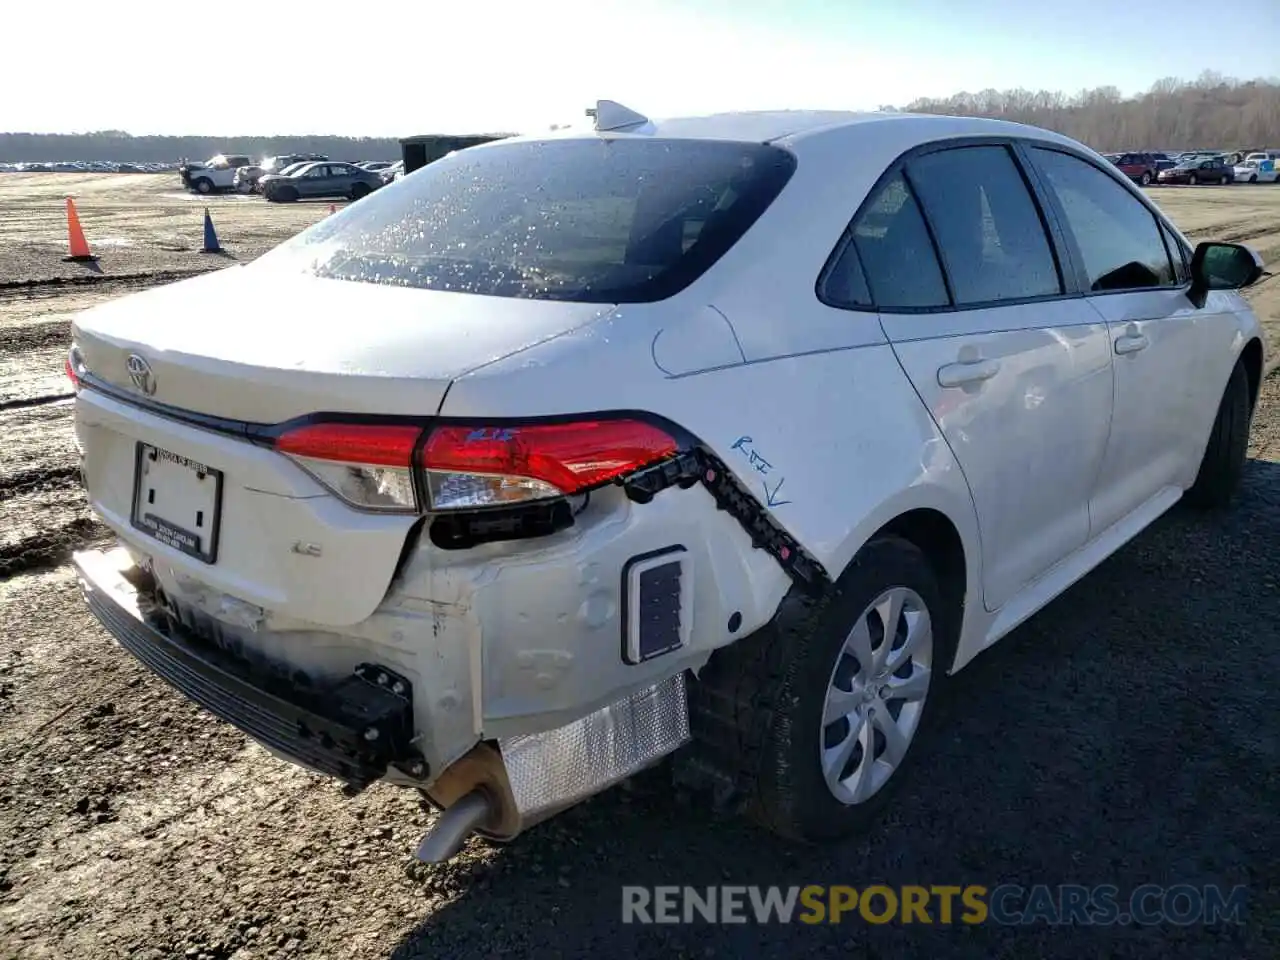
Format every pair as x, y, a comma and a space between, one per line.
795, 126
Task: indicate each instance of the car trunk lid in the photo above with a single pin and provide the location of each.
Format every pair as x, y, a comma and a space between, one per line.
265, 346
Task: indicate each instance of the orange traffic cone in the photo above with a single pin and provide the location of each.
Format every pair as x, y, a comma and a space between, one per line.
79, 247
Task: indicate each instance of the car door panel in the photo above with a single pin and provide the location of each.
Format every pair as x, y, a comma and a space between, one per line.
1135, 272
339, 182
1028, 426
1166, 394
1016, 373
312, 183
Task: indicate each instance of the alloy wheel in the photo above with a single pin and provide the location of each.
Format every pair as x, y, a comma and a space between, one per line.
876, 694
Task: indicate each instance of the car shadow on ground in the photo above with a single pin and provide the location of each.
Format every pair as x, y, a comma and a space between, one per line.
1122, 736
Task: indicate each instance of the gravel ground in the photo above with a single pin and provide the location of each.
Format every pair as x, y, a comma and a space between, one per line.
1124, 735
134, 223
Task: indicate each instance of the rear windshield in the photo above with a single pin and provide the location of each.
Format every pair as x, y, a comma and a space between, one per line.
588, 220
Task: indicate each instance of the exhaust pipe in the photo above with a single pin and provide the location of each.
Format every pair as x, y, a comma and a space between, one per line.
452, 827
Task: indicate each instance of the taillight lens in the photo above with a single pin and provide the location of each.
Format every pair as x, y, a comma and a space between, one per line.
469, 467
368, 465
74, 366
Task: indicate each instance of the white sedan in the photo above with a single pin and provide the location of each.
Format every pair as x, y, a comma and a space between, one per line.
728, 438
1258, 168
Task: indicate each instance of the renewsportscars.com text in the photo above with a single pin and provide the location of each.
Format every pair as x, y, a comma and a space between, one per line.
1006, 904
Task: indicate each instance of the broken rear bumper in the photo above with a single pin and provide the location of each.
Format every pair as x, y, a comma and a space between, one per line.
359, 727
353, 730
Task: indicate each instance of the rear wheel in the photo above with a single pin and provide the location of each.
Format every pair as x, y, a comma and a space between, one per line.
818, 713
359, 190
1146, 178
203, 185
1253, 178
1192, 181
1224, 457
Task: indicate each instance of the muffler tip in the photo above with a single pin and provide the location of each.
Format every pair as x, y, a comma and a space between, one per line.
452, 827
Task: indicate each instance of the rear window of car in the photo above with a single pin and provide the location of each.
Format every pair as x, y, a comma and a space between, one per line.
590, 220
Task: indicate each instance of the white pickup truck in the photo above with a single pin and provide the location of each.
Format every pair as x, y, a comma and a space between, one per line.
216, 173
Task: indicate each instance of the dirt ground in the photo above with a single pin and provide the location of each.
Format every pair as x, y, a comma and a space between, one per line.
1127, 734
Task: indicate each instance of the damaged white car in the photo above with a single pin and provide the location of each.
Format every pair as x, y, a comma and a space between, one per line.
728, 439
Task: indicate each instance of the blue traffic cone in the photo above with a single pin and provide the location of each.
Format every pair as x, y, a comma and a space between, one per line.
211, 244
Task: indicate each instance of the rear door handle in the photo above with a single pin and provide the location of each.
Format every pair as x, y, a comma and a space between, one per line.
1131, 343
966, 372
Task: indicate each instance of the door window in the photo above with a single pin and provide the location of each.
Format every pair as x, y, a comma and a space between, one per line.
1118, 237
892, 241
989, 230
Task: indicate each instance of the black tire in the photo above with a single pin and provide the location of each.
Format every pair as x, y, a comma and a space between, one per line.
1224, 457
1192, 180
1146, 178
283, 195
757, 707
203, 185
1253, 178
359, 190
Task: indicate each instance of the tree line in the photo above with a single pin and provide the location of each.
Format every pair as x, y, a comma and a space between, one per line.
1210, 112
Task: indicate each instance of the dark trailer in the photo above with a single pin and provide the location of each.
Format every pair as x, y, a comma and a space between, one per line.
419, 151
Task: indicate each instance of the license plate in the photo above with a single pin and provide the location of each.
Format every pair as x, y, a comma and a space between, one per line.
177, 501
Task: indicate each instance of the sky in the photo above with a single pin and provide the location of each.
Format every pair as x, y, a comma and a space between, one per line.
393, 69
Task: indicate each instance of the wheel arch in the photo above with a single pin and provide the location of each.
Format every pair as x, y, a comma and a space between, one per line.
942, 523
1251, 358
933, 533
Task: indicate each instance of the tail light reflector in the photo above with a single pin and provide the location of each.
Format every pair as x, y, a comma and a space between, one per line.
469, 467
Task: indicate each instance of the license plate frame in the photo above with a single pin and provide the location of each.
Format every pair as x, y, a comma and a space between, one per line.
201, 543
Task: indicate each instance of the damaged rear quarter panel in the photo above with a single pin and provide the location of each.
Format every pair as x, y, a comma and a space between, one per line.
540, 620
833, 443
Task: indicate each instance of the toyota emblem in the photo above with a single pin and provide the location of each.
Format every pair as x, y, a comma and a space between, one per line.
140, 374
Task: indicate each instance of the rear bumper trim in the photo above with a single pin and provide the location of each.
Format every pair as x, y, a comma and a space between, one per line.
325, 730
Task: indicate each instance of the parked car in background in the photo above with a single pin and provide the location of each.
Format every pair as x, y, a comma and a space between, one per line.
393, 172
215, 174
1257, 168
286, 172
247, 177
504, 512
374, 166
328, 179
1199, 170
1138, 167
1239, 156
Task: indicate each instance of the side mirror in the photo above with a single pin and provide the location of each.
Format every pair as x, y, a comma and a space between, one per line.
1222, 266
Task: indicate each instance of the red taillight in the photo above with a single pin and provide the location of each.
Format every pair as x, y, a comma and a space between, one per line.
469, 467
74, 366
567, 456
378, 444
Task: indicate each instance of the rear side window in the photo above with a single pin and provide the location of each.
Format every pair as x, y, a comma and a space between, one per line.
989, 231
897, 255
590, 220
1118, 237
